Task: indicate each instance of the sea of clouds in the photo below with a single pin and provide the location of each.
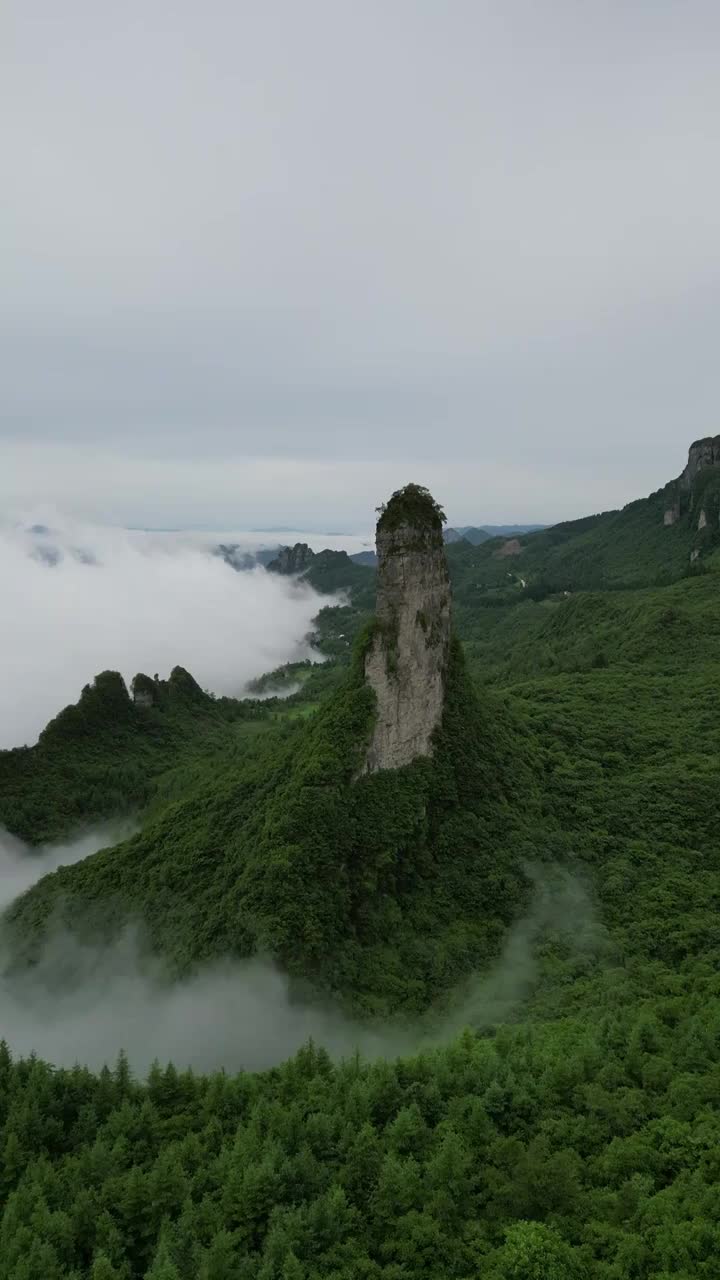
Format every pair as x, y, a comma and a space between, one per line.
78, 599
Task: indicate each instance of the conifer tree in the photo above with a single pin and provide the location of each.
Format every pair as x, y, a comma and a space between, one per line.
103, 1269
220, 1259
163, 1267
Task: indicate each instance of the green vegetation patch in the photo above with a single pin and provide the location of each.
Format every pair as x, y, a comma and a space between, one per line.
413, 505
384, 889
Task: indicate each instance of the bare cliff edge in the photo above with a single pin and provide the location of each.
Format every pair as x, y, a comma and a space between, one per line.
406, 662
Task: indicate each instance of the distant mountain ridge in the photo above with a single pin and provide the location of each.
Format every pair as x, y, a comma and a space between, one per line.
295, 558
651, 541
498, 530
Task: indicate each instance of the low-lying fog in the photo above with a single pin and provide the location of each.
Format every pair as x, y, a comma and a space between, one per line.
250, 540
236, 1015
79, 599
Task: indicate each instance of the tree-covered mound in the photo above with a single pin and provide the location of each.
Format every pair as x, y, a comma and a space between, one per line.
107, 755
385, 889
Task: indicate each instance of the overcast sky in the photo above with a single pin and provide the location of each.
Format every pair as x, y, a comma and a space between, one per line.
270, 259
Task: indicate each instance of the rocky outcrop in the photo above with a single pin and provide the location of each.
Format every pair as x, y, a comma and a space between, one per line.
702, 453
406, 660
672, 515
292, 559
702, 521
144, 690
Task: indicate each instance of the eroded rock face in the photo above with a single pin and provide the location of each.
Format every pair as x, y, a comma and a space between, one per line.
407, 659
672, 515
703, 453
144, 690
702, 521
292, 559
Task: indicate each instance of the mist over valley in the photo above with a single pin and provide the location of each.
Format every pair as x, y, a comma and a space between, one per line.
83, 1003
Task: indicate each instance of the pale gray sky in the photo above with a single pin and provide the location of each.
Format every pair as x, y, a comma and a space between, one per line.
269, 259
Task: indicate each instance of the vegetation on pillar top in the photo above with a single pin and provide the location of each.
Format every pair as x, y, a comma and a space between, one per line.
413, 505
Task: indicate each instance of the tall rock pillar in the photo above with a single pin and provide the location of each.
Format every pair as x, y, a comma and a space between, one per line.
406, 661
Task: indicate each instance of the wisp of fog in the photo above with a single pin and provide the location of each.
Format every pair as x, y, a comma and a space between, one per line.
236, 1015
80, 599
21, 866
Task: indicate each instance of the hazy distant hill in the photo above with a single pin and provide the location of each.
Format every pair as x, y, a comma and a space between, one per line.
468, 533
240, 558
497, 530
475, 534
368, 559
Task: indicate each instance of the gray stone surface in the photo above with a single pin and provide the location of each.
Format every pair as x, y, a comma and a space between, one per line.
292, 559
702, 454
406, 662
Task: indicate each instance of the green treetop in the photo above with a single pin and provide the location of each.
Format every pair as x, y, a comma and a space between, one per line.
413, 505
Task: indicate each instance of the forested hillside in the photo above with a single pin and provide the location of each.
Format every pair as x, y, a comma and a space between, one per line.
286, 852
106, 755
575, 1135
653, 541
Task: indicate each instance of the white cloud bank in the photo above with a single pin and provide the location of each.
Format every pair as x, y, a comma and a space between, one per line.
126, 601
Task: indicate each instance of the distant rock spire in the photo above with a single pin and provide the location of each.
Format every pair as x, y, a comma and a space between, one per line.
406, 661
292, 559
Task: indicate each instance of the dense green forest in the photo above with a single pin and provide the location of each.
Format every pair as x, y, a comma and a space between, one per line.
576, 1138
108, 756
383, 889
559, 1149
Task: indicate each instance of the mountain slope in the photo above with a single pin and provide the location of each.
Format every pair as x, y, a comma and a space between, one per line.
572, 1133
651, 541
104, 756
384, 887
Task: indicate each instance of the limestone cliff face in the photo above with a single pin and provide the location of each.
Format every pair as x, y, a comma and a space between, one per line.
703, 453
406, 661
144, 690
